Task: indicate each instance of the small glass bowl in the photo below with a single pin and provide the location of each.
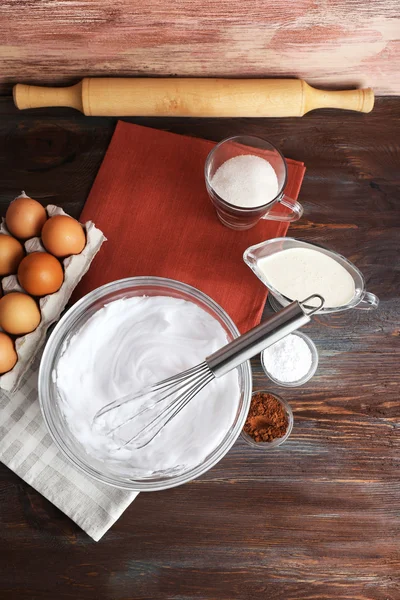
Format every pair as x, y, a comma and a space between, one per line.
307, 376
277, 441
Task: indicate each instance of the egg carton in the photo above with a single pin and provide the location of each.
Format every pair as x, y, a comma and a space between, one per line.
51, 306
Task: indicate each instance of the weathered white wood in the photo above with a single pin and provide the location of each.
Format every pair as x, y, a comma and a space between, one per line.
330, 42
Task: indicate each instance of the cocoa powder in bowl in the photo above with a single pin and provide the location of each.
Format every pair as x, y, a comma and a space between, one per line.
268, 418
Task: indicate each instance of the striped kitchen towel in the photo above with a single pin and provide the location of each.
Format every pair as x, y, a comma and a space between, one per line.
27, 448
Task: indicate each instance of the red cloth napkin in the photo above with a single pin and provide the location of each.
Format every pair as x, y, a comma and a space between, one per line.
149, 199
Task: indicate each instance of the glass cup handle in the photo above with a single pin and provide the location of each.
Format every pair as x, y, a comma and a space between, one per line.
296, 210
369, 302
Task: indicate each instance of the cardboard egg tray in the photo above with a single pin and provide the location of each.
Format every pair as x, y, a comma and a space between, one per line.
51, 306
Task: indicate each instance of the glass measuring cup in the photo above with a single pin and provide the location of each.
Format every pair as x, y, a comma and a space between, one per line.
361, 299
240, 218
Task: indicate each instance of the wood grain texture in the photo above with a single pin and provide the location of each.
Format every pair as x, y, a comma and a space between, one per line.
320, 518
331, 42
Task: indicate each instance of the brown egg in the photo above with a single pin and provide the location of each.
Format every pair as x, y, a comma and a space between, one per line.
11, 254
40, 274
63, 236
8, 356
25, 218
19, 313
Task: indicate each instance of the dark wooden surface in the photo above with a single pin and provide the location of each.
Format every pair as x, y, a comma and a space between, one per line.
318, 519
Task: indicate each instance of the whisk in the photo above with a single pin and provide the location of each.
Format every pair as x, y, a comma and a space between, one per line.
162, 401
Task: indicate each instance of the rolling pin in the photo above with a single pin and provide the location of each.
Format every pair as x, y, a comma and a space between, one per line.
166, 97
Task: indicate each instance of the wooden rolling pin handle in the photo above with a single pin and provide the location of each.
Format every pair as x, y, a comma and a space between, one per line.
34, 96
361, 100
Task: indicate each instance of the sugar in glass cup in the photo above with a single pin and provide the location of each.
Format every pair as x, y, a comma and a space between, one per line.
241, 218
277, 441
310, 373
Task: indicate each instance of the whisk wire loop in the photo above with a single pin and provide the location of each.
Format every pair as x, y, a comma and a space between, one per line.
145, 434
152, 389
178, 389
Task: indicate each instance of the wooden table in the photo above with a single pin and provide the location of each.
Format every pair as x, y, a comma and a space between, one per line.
318, 519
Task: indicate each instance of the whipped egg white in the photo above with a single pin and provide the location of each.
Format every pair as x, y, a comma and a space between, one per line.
127, 345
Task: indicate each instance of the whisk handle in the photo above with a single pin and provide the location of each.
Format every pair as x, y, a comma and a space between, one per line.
257, 339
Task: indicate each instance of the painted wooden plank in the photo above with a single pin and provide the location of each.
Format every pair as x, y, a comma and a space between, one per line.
331, 42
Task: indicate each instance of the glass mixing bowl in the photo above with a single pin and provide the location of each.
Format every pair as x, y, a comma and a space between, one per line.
70, 325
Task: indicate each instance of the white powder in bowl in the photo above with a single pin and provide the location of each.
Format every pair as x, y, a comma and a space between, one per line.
288, 360
247, 181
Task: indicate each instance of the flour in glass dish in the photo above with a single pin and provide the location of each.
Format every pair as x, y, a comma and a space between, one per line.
134, 342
